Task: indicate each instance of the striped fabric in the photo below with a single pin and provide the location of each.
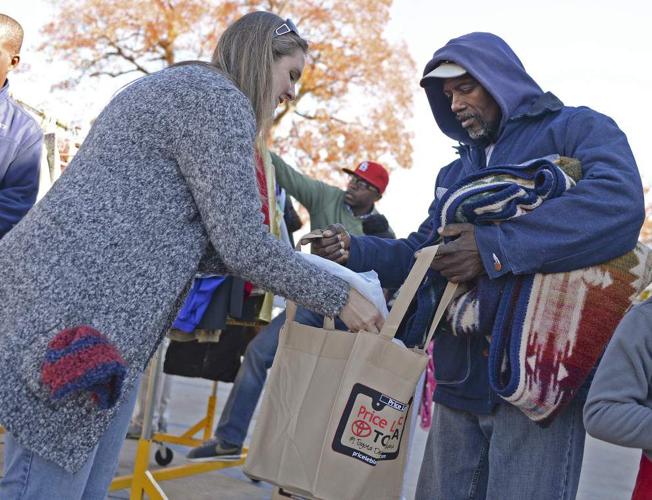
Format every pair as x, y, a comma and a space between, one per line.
82, 359
547, 331
505, 192
551, 329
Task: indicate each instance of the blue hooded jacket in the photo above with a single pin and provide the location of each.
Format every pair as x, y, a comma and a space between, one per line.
21, 142
597, 220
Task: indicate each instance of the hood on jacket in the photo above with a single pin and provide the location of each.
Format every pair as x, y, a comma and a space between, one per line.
488, 59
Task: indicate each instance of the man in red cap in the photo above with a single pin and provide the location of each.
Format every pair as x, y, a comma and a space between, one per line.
354, 207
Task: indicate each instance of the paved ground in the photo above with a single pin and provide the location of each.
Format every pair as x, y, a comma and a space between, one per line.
608, 472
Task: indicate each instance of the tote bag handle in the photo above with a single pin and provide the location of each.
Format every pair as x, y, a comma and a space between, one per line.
409, 290
446, 297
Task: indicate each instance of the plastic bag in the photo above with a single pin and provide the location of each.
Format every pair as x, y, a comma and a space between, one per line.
366, 283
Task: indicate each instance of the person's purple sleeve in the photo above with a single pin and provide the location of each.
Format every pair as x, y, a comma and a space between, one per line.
19, 186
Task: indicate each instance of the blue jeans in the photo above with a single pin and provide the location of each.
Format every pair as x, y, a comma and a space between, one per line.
28, 476
502, 455
248, 384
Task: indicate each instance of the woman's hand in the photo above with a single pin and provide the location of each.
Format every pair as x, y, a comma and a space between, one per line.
333, 245
360, 314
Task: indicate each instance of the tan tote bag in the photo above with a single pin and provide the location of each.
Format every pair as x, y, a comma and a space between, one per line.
334, 421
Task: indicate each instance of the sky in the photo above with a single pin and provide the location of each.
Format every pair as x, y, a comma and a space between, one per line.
594, 53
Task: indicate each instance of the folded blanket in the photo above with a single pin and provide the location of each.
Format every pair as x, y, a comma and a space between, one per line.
551, 330
82, 359
547, 331
504, 192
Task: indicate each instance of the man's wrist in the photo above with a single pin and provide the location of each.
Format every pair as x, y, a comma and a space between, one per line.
494, 261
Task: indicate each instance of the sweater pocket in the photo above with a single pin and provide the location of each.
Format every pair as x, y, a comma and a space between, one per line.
63, 363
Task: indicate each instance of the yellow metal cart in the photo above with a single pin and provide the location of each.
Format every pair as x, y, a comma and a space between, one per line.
145, 482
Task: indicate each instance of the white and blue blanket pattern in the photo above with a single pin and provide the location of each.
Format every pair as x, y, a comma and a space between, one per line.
493, 195
499, 193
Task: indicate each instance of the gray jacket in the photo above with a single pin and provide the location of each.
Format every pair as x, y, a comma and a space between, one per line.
163, 182
619, 406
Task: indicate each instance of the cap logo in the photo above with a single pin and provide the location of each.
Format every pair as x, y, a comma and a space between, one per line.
363, 166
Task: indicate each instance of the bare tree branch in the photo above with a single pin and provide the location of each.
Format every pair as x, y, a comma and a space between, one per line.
115, 74
129, 59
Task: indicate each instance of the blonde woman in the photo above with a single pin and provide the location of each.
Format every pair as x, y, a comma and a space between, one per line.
163, 186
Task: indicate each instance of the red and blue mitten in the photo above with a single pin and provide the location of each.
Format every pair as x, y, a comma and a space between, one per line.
82, 359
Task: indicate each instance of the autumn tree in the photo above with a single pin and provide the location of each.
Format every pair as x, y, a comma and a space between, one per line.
354, 98
646, 231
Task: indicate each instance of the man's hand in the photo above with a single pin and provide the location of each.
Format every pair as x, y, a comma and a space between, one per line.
334, 245
458, 261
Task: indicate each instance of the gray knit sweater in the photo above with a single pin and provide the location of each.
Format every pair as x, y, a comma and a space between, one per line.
619, 405
165, 176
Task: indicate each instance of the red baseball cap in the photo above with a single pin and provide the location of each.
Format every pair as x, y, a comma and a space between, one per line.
371, 172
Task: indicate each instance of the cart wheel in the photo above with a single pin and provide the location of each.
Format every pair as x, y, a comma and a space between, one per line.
163, 456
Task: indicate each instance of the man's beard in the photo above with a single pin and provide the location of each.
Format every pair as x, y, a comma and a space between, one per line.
484, 132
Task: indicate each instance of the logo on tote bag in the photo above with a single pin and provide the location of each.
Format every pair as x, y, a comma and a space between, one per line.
371, 427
